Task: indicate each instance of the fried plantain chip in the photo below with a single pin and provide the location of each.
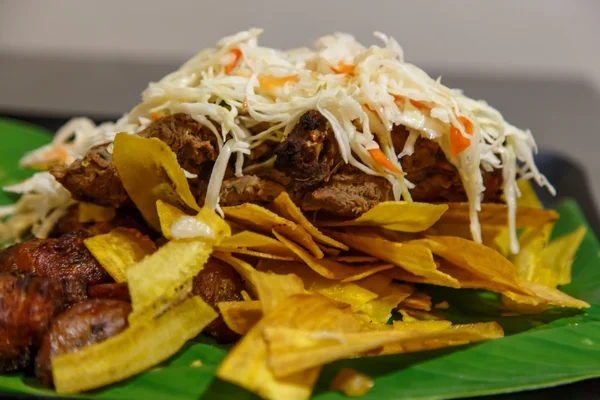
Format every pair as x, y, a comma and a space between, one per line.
255, 241
285, 207
452, 336
531, 242
545, 295
421, 325
368, 270
241, 316
326, 267
246, 364
528, 197
557, 258
350, 293
252, 253
397, 216
263, 220
416, 259
132, 351
119, 249
206, 224
149, 173
356, 259
497, 214
389, 295
417, 301
165, 277
475, 258
330, 251
88, 212
292, 350
351, 382
272, 289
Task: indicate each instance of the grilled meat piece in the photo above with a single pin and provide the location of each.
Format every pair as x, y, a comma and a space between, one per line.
93, 178
118, 291
81, 325
126, 217
248, 189
310, 152
190, 141
348, 193
218, 282
65, 257
435, 178
27, 304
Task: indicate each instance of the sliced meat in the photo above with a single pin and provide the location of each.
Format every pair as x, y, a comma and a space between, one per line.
435, 178
65, 257
118, 291
310, 152
193, 143
126, 218
348, 193
27, 304
93, 179
81, 325
218, 282
248, 189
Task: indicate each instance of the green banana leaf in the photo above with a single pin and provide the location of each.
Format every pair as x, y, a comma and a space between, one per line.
552, 348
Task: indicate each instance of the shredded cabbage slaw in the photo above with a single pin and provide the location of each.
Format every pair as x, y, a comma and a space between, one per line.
238, 87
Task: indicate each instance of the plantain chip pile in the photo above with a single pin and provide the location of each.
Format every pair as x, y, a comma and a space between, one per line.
314, 292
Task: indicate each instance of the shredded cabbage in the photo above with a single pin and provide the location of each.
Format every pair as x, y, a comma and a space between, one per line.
363, 93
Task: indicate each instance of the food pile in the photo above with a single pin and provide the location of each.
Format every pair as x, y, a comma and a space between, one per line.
299, 204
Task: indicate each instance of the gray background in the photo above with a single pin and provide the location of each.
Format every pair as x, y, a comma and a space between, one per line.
538, 61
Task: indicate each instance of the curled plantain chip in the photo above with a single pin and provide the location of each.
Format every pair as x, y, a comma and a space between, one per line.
132, 351
149, 171
206, 224
119, 249
497, 215
241, 316
397, 216
255, 241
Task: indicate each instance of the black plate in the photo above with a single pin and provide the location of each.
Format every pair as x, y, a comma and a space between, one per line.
569, 179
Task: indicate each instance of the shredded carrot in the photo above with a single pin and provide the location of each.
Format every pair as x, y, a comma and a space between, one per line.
417, 104
382, 160
237, 54
343, 68
271, 82
459, 143
155, 116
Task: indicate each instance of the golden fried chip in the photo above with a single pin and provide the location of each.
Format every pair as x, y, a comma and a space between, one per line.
246, 364
326, 267
285, 207
88, 212
416, 259
252, 253
132, 351
263, 220
430, 325
149, 173
545, 295
240, 316
210, 225
256, 241
476, 258
350, 293
356, 259
292, 350
452, 336
165, 277
417, 301
351, 382
272, 289
398, 216
368, 270
497, 214
528, 197
531, 242
330, 251
389, 295
119, 249
557, 258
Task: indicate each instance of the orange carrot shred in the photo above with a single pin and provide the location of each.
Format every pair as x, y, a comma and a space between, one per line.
459, 143
271, 82
343, 68
382, 160
237, 54
155, 116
